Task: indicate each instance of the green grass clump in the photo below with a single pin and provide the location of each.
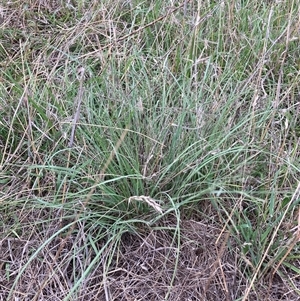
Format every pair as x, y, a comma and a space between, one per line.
118, 118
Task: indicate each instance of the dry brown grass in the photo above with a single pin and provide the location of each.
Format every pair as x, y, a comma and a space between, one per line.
150, 265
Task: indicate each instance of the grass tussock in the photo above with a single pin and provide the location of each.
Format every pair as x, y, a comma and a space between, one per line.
150, 150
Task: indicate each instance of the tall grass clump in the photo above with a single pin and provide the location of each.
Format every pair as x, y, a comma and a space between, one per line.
148, 146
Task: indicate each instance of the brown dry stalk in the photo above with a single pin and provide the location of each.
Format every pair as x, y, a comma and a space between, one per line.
215, 265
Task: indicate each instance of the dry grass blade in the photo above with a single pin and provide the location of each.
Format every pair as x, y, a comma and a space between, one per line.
79, 99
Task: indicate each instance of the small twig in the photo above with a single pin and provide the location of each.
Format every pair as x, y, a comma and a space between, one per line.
79, 101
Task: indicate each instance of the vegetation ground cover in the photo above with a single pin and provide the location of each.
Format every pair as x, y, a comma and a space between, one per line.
150, 150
